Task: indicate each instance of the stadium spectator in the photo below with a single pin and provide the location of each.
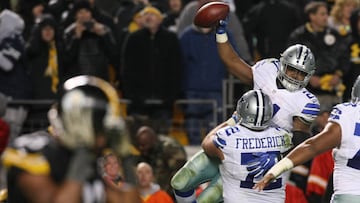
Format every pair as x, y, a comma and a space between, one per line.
14, 78
112, 171
4, 127
353, 51
30, 12
340, 13
46, 60
164, 154
329, 51
203, 76
171, 16
125, 13
266, 22
90, 44
152, 69
149, 190
135, 24
99, 15
45, 54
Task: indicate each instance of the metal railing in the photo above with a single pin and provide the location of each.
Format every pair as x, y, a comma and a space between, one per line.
228, 104
30, 123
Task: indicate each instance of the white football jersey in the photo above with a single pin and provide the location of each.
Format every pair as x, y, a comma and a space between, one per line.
238, 145
347, 156
286, 104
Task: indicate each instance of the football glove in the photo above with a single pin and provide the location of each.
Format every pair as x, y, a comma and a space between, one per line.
221, 28
261, 164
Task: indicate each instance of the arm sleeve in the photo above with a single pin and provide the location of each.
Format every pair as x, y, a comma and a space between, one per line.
11, 50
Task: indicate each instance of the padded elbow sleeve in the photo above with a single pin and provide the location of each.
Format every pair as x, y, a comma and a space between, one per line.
198, 169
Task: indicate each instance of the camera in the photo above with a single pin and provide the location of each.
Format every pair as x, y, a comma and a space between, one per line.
88, 25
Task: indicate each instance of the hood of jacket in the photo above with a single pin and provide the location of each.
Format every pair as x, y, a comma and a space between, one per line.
10, 24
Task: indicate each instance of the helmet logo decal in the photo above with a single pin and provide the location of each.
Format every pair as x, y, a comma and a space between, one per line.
305, 55
299, 55
260, 109
302, 55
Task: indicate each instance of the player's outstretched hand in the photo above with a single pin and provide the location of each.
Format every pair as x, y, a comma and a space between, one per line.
261, 164
265, 181
221, 27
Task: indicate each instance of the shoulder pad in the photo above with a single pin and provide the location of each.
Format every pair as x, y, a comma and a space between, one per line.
33, 142
25, 153
34, 163
273, 61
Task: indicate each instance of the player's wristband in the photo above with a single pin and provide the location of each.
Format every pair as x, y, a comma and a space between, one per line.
282, 166
233, 120
221, 38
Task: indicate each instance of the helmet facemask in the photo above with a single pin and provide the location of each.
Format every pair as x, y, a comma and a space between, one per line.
300, 58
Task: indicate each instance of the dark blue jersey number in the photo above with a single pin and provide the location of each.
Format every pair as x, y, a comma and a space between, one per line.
355, 161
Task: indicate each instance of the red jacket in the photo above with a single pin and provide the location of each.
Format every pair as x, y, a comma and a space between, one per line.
4, 135
158, 197
321, 169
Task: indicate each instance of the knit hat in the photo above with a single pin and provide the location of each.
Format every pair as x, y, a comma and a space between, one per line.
81, 4
153, 10
47, 19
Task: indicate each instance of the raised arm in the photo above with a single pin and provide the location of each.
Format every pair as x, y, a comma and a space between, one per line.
231, 59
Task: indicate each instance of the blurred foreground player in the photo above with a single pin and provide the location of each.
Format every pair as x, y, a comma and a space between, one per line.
59, 165
295, 108
342, 135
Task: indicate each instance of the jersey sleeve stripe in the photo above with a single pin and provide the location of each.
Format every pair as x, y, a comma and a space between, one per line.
312, 105
220, 143
310, 112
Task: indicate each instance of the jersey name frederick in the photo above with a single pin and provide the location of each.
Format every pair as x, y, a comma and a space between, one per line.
243, 139
258, 143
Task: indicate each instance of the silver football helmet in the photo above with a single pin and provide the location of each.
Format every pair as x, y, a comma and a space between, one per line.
300, 58
255, 110
355, 92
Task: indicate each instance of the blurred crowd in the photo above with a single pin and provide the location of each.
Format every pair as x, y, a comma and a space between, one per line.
153, 55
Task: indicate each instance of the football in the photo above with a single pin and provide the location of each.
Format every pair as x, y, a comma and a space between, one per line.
211, 13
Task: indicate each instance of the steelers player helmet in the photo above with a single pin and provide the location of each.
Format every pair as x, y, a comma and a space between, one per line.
355, 92
89, 107
255, 110
300, 58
